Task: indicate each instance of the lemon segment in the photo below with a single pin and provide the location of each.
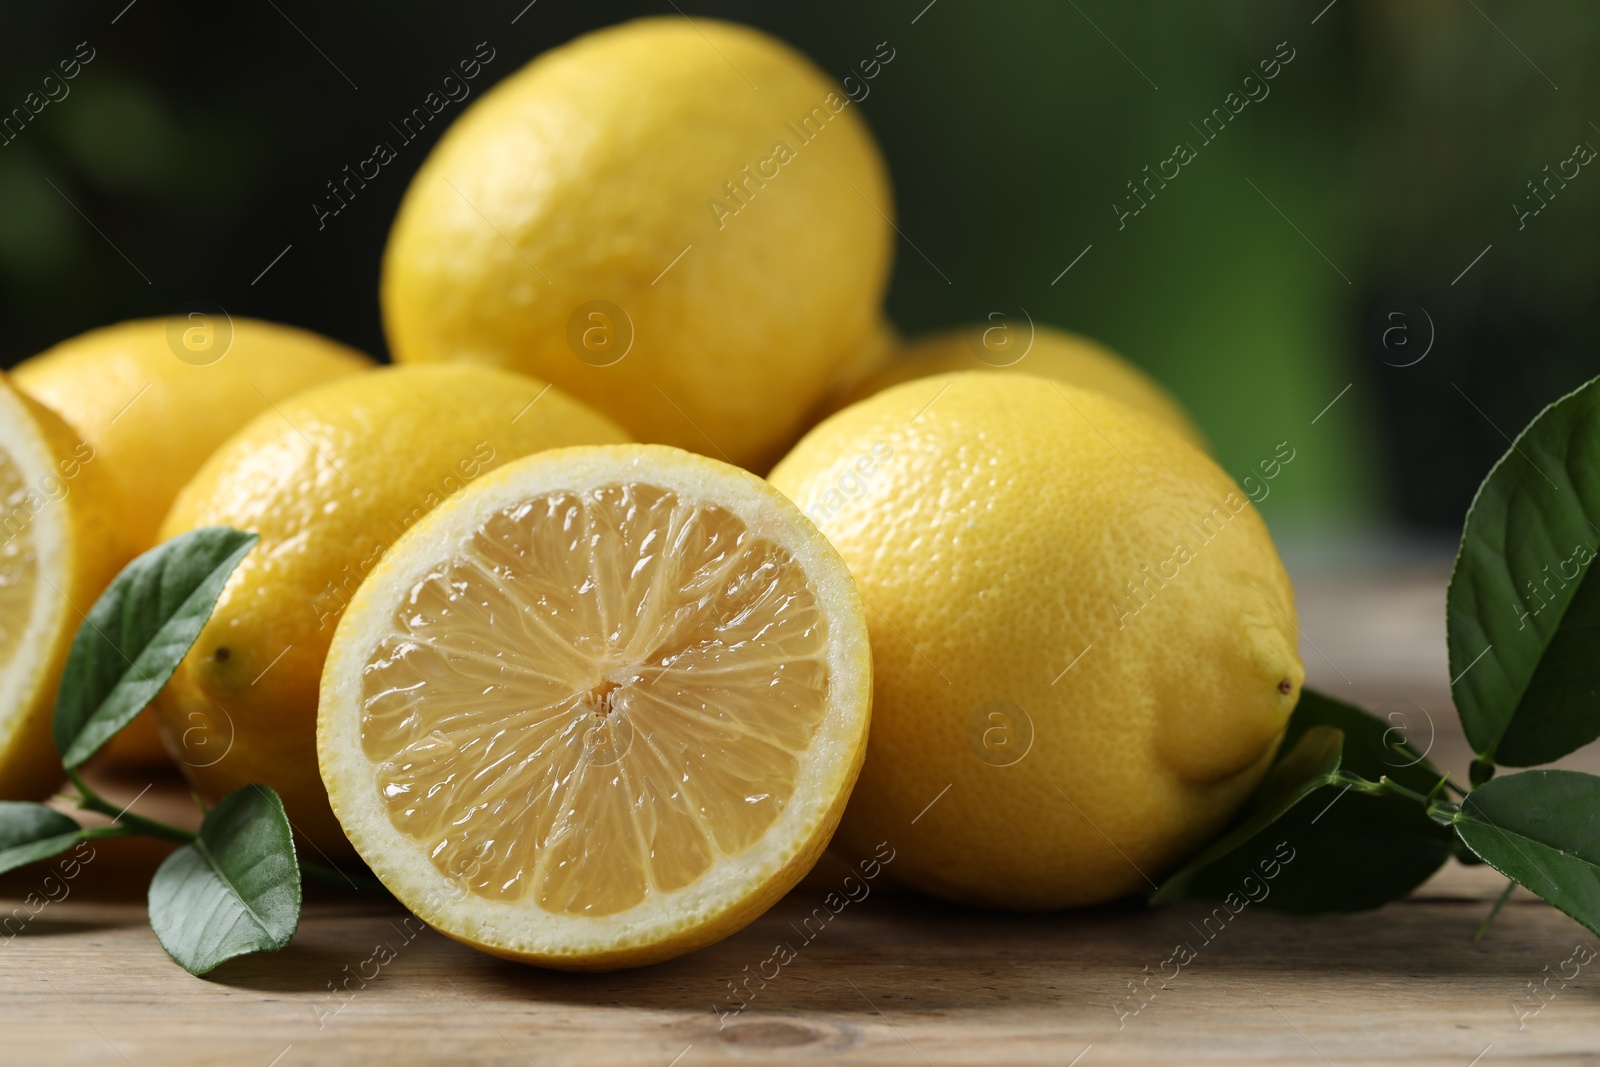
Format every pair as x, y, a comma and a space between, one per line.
603, 708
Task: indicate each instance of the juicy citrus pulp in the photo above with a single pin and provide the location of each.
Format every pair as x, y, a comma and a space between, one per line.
19, 566
57, 551
561, 707
603, 708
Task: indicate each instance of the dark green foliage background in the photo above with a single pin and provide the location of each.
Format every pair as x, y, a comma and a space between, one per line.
1397, 141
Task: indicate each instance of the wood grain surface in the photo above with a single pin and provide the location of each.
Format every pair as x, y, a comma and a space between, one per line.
892, 979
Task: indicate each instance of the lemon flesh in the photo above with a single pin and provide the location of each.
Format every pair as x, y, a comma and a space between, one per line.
19, 563
608, 714
58, 549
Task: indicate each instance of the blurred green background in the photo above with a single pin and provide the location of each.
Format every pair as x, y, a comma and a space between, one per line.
1316, 245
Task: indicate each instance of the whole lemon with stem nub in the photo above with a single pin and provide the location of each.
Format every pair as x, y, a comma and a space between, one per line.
684, 223
1084, 644
330, 479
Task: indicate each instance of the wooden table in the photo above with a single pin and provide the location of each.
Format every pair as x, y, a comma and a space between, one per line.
894, 979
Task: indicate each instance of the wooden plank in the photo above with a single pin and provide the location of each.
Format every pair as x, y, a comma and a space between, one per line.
892, 979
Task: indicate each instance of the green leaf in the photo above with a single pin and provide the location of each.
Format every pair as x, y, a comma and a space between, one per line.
1541, 829
1374, 747
138, 632
1524, 606
33, 832
235, 890
1309, 841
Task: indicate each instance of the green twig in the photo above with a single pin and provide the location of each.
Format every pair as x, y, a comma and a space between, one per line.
89, 800
1498, 904
100, 833
1440, 811
1389, 785
127, 824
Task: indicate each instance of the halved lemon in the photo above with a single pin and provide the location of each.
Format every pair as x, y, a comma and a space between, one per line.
604, 707
58, 550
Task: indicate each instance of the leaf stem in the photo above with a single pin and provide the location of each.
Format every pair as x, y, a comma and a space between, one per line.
127, 824
1389, 785
89, 800
1498, 904
100, 833
1440, 811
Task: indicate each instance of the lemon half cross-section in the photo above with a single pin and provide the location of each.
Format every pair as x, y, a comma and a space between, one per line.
58, 549
603, 708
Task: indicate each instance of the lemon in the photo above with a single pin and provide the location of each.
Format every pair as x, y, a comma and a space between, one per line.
154, 416
154, 398
1083, 639
685, 224
1009, 345
58, 550
329, 478
603, 708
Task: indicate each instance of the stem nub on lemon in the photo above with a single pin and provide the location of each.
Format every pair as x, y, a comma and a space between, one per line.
154, 398
1084, 642
329, 479
683, 223
58, 550
604, 707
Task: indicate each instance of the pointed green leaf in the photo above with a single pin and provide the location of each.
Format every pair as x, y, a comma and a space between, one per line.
1541, 829
235, 890
136, 634
33, 832
1524, 606
1308, 842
